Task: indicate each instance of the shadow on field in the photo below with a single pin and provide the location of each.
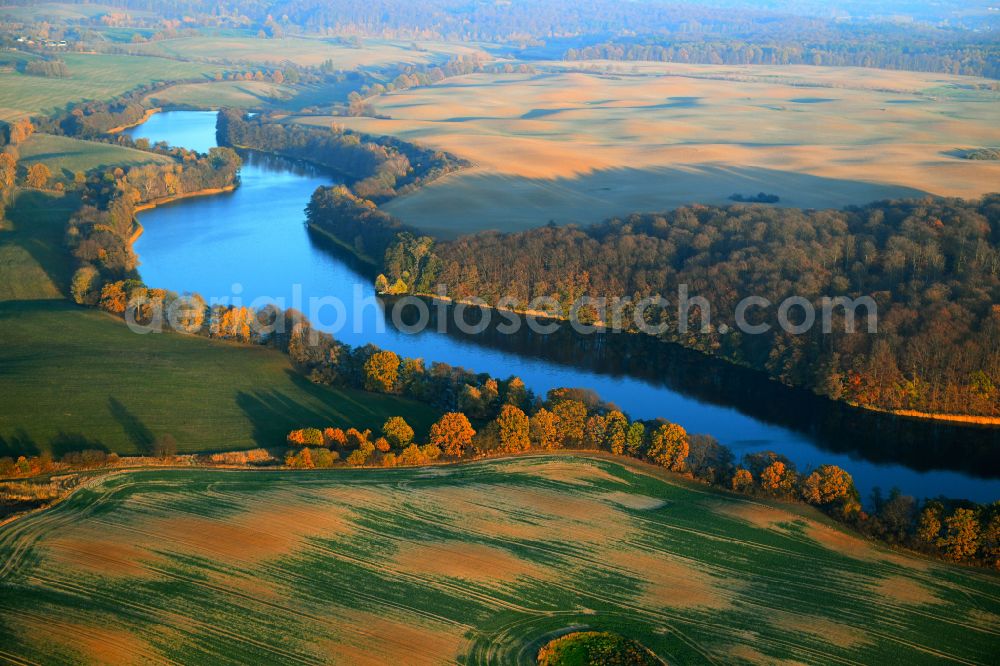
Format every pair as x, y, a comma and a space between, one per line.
134, 428
67, 442
18, 444
40, 220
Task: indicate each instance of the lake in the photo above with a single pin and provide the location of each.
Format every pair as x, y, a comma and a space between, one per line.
252, 246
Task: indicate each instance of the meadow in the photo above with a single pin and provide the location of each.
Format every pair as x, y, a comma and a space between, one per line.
76, 378
92, 77
578, 146
64, 155
478, 563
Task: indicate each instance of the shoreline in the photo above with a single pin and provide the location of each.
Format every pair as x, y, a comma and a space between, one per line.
146, 116
149, 205
911, 414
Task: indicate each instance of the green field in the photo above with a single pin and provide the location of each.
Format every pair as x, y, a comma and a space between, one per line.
477, 564
213, 95
64, 155
92, 77
61, 11
305, 51
33, 261
74, 378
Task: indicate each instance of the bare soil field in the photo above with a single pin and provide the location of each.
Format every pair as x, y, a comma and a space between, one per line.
578, 146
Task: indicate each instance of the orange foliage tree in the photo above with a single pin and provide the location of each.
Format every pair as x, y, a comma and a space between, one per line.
543, 430
513, 429
669, 447
961, 536
571, 417
382, 372
452, 433
742, 480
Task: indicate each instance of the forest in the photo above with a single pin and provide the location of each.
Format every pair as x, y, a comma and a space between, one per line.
932, 267
379, 168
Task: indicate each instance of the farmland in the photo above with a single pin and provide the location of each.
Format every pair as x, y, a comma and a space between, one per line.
478, 563
64, 155
372, 53
579, 146
92, 77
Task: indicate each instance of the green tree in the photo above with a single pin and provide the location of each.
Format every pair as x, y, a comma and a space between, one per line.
635, 438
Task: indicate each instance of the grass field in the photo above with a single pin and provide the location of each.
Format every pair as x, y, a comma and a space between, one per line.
306, 51
92, 77
579, 147
74, 378
33, 263
63, 11
475, 564
64, 155
241, 94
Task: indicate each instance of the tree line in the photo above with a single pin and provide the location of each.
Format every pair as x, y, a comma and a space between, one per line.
878, 47
378, 167
931, 265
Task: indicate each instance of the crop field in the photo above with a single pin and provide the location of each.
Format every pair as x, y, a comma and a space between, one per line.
478, 563
64, 155
580, 146
92, 77
309, 52
64, 11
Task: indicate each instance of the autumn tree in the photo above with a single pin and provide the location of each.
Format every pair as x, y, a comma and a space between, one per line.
668, 446
990, 544
516, 393
742, 480
827, 485
305, 437
358, 439
571, 417
513, 430
929, 524
777, 478
398, 432
543, 430
113, 297
38, 176
615, 432
334, 437
84, 285
381, 372
165, 446
452, 434
961, 535
8, 171
20, 130
594, 430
